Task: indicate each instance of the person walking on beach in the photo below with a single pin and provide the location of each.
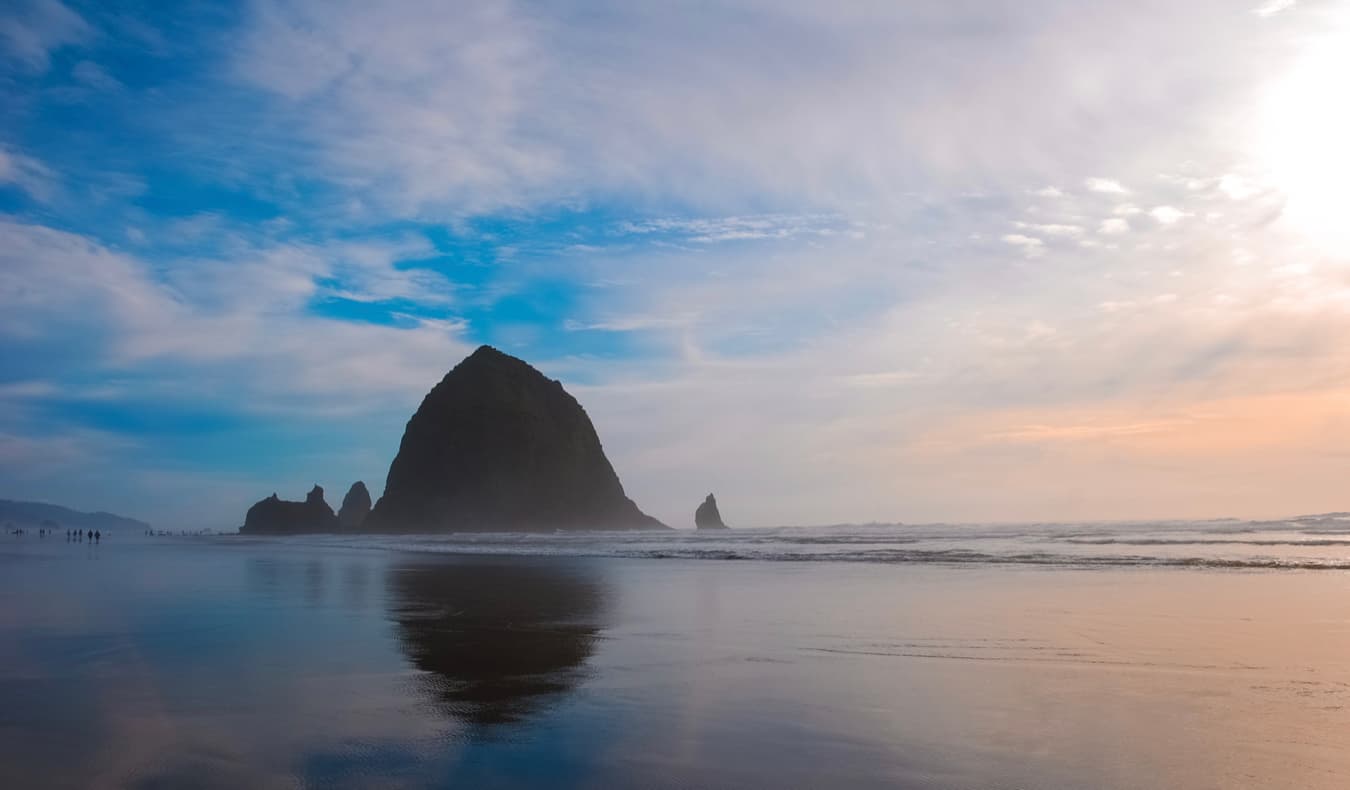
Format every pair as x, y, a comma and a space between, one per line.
98, 536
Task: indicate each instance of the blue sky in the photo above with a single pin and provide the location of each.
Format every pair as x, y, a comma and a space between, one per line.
835, 262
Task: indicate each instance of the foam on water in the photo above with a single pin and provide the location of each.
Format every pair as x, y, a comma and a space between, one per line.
1303, 543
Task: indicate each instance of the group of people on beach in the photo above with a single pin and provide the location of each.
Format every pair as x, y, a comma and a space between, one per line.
76, 535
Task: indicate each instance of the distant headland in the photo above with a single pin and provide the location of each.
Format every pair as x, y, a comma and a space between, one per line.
495, 446
34, 513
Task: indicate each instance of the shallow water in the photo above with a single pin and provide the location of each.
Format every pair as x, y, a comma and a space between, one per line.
589, 661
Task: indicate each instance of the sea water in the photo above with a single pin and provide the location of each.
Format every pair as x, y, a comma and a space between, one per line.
1180, 655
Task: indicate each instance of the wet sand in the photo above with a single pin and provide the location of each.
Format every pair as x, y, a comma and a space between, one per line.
252, 663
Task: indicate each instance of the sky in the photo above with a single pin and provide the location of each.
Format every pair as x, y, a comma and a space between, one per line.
836, 262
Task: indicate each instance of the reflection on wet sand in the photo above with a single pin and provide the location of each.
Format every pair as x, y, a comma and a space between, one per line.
500, 640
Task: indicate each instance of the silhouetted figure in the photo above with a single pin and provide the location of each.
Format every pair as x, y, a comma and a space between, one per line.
98, 536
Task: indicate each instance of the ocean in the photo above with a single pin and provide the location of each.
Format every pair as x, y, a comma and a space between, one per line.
1143, 655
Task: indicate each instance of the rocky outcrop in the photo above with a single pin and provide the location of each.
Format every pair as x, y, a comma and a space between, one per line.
275, 516
498, 446
707, 517
355, 507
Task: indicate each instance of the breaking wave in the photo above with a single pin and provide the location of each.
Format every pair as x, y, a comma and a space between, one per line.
1305, 543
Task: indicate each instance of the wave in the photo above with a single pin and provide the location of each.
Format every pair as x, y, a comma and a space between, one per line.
760, 550
1203, 542
951, 557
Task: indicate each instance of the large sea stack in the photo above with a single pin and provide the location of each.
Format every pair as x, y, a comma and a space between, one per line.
498, 446
276, 516
707, 516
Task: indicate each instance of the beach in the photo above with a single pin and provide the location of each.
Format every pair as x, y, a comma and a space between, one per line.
670, 661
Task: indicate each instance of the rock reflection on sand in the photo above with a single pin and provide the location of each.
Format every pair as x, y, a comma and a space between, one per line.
499, 640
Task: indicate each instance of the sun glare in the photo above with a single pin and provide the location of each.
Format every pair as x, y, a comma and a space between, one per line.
1306, 142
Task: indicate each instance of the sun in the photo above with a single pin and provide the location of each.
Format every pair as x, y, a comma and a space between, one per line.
1305, 141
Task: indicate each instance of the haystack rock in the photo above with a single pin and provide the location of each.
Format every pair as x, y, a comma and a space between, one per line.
497, 446
707, 517
275, 516
355, 507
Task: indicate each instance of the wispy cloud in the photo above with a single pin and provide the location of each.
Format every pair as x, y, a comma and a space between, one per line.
419, 108
95, 76
1052, 229
709, 230
27, 174
1028, 244
1273, 7
33, 29
635, 323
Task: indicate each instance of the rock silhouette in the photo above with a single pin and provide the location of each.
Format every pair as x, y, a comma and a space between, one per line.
275, 516
707, 516
498, 446
355, 507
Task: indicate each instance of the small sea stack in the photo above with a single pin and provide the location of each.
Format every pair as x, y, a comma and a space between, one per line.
276, 516
355, 507
707, 515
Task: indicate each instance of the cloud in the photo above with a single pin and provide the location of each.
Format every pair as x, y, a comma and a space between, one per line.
1167, 215
33, 29
1052, 229
95, 76
1273, 7
762, 243
22, 390
708, 230
27, 174
636, 323
1028, 244
1105, 186
1036, 434
29, 456
239, 325
1236, 187
419, 108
